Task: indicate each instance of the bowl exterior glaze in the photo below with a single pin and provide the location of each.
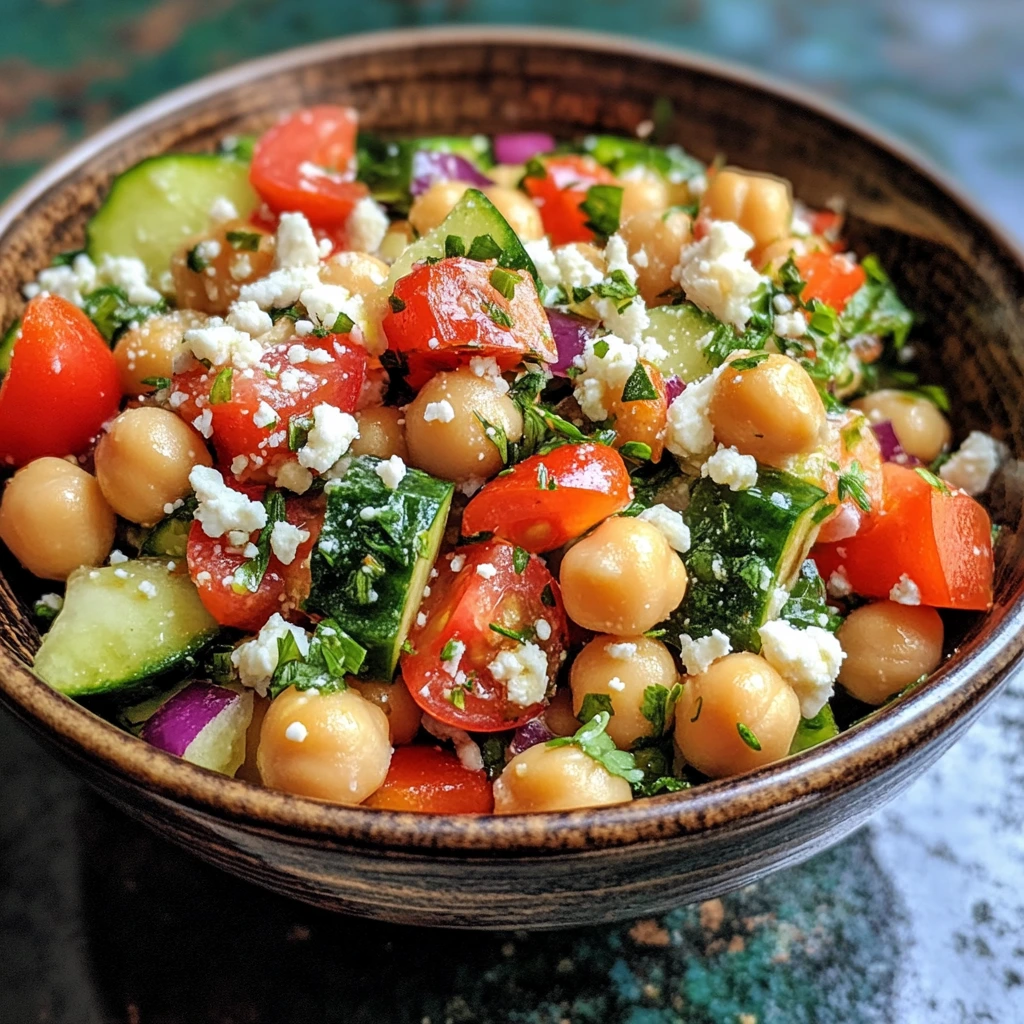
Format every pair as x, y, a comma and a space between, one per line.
556, 870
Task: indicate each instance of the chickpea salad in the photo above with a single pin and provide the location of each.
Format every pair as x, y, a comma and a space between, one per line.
470, 475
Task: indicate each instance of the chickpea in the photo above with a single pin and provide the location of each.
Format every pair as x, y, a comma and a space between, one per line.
359, 272
770, 411
770, 257
545, 778
919, 426
381, 433
397, 237
519, 210
888, 646
213, 288
54, 518
431, 207
331, 746
396, 702
761, 204
622, 667
143, 462
660, 237
643, 195
559, 716
148, 350
507, 175
739, 689
622, 579
442, 430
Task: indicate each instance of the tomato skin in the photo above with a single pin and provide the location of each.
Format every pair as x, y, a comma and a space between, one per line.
324, 137
431, 780
446, 303
337, 383
282, 585
461, 607
592, 484
941, 541
559, 193
832, 279
62, 385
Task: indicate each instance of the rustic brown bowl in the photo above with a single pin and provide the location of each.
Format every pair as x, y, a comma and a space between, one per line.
553, 870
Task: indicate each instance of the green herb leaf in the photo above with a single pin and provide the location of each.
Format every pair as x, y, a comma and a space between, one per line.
492, 751
535, 169
512, 634
932, 480
658, 707
109, 309
748, 737
638, 386
600, 348
454, 246
194, 261
241, 147
504, 281
482, 248
243, 241
636, 450
160, 383
807, 604
748, 362
280, 312
66, 259
594, 704
396, 304
333, 654
499, 316
935, 393
520, 560
876, 308
547, 596
299, 427
450, 649
603, 207
791, 280
595, 742
221, 390
852, 483
249, 575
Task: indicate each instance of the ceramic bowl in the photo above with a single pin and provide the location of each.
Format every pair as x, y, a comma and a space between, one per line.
554, 870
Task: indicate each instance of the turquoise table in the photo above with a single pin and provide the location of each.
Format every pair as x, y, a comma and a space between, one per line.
918, 919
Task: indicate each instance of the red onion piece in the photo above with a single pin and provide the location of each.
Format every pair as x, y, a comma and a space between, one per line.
892, 450
429, 167
518, 147
674, 387
178, 722
571, 334
535, 731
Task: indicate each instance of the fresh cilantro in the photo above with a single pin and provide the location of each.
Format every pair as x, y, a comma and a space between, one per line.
655, 761
407, 647
655, 634
932, 480
160, 383
617, 287
196, 262
109, 309
603, 208
658, 706
457, 697
512, 634
595, 742
807, 604
748, 737
450, 649
249, 575
638, 386
492, 752
851, 435
220, 392
876, 308
748, 362
600, 348
299, 427
791, 280
500, 317
332, 655
852, 483
636, 450
343, 324
484, 247
243, 241
505, 282
621, 154
593, 704
241, 147
547, 596
361, 580
45, 612
280, 312
520, 560
396, 304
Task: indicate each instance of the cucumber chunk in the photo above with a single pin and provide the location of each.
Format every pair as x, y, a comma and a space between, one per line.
744, 544
680, 330
812, 731
169, 538
120, 626
156, 206
374, 557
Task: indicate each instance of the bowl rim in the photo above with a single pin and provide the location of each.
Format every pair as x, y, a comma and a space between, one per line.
813, 778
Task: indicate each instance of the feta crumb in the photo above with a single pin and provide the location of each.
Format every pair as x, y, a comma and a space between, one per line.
790, 325
297, 354
221, 509
728, 467
622, 651
279, 288
458, 562
543, 629
486, 570
838, 585
698, 656
117, 557
296, 244
616, 254
671, 525
250, 551
615, 683
325, 302
285, 541
256, 660
129, 274
782, 303
392, 471
366, 226
52, 601
248, 318
220, 344
204, 423
264, 416
293, 477
808, 659
689, 431
544, 260
421, 619
442, 412
239, 464
303, 328
121, 574
972, 466
296, 732
147, 589
524, 671
451, 665
328, 439
466, 748
905, 591
607, 364
487, 366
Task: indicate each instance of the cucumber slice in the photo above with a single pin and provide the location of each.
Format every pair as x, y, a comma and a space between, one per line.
744, 544
679, 330
155, 206
7, 346
374, 557
812, 731
110, 636
169, 538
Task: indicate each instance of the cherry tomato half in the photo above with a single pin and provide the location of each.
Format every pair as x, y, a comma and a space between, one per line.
449, 674
832, 279
432, 781
560, 192
62, 385
548, 500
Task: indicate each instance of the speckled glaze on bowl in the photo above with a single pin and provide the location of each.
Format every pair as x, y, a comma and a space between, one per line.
555, 870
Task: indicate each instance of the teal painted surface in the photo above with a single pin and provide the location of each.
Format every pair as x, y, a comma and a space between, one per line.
917, 920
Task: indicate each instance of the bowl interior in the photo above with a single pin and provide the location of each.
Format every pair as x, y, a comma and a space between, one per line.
951, 267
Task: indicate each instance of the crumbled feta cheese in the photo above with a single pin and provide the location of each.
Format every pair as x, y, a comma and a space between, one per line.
544, 260
221, 509
69, 282
52, 601
147, 589
466, 748
716, 275
575, 270
622, 651
689, 432
458, 562
121, 574
324, 302
486, 570
293, 477
303, 328
285, 541
296, 244
616, 254
208, 249
248, 318
728, 467
221, 344
204, 423
790, 325
487, 366
391, 471
222, 209
441, 412
607, 364
239, 464
297, 354
291, 379
366, 226
838, 585
456, 648
117, 557
421, 619
279, 288
296, 732
130, 274
905, 591
524, 671
780, 595
782, 303
808, 659
972, 466
250, 551
329, 438
640, 259
471, 486
671, 525
241, 267
256, 659
264, 416
543, 629
698, 656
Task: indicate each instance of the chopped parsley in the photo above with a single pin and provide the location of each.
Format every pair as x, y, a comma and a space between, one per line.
748, 362
520, 560
220, 392
593, 704
636, 450
249, 575
109, 309
194, 261
852, 483
160, 383
512, 634
547, 596
595, 742
454, 246
333, 654
484, 247
932, 480
603, 209
638, 386
450, 649
396, 304
504, 281
299, 427
659, 704
748, 737
243, 241
500, 317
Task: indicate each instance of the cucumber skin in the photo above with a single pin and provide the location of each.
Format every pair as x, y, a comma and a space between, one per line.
812, 731
748, 539
678, 329
421, 503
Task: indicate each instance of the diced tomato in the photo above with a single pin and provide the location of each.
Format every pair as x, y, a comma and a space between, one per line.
547, 500
62, 385
307, 163
212, 563
643, 420
459, 688
832, 279
559, 193
289, 390
442, 314
825, 223
851, 440
432, 781
937, 537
